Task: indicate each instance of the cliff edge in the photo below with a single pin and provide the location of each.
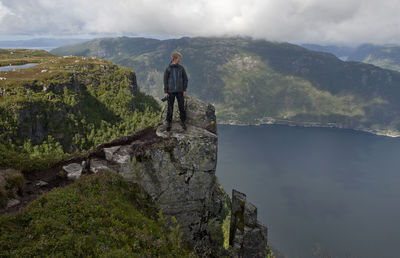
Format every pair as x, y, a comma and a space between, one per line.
177, 170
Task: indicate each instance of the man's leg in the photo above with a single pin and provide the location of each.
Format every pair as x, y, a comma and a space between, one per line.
171, 100
182, 111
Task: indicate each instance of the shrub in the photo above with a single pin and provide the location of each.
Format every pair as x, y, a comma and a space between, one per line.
3, 195
15, 182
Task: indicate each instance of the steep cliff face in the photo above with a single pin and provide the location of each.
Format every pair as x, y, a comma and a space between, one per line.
66, 104
56, 105
177, 169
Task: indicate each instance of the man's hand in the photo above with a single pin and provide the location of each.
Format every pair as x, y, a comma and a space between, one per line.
184, 93
166, 95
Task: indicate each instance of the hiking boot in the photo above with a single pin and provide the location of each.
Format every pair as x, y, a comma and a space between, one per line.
168, 126
183, 125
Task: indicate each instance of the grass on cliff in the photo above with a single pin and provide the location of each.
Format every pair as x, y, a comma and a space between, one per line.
75, 104
99, 215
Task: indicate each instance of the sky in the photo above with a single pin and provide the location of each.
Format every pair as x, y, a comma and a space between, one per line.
297, 21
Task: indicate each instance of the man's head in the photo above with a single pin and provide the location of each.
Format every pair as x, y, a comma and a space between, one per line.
176, 57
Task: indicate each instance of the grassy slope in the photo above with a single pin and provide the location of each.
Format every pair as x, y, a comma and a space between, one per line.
66, 104
251, 81
99, 215
22, 56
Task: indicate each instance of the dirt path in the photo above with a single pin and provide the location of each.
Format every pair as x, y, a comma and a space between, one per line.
37, 184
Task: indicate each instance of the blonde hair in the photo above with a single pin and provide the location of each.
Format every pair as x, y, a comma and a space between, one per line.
175, 55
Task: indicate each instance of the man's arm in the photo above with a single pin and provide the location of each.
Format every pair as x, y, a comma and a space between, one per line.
166, 78
185, 79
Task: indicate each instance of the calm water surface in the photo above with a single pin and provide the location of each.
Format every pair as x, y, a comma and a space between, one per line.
332, 190
12, 67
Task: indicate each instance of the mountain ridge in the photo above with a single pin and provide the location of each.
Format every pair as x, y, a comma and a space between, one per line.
385, 56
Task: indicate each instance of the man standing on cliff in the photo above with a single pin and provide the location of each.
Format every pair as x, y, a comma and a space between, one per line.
175, 84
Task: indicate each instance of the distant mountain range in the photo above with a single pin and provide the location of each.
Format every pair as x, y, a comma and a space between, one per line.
386, 56
256, 81
45, 43
341, 52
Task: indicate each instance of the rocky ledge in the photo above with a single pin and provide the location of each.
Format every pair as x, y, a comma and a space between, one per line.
177, 169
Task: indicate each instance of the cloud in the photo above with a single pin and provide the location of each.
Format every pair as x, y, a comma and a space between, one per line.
4, 11
342, 21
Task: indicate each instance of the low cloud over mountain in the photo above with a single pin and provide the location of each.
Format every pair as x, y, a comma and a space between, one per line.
345, 21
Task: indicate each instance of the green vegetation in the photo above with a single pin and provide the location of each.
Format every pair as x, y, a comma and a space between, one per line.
387, 57
269, 253
11, 182
256, 81
99, 215
272, 94
225, 216
22, 56
65, 105
28, 157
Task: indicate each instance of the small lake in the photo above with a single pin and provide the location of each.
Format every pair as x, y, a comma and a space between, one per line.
12, 67
317, 189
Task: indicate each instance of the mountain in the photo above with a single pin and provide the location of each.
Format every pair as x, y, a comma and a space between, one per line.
341, 52
42, 43
384, 56
256, 81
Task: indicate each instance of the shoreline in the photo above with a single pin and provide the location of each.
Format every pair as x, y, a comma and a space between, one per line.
312, 124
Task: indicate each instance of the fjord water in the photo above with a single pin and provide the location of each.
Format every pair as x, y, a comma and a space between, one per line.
320, 191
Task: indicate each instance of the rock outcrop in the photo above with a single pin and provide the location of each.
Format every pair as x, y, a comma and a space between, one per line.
177, 169
247, 235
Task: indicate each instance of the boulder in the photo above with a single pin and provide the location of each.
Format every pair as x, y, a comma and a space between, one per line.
41, 183
74, 170
198, 113
12, 203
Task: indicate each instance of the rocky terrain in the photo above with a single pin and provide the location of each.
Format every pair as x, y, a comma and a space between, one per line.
176, 170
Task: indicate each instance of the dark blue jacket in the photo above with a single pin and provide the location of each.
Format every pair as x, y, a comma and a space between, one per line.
175, 78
